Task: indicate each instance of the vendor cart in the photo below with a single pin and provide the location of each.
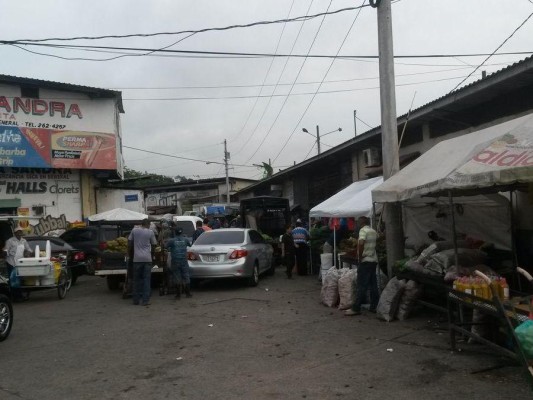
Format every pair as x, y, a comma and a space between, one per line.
41, 273
507, 314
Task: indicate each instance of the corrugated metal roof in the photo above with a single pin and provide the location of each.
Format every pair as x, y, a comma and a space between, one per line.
493, 84
68, 87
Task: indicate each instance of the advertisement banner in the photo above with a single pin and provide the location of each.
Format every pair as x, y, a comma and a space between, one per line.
71, 133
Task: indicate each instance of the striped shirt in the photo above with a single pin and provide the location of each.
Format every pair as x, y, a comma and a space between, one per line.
369, 236
300, 235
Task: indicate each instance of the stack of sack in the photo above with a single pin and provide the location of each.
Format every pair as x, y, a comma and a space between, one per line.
398, 299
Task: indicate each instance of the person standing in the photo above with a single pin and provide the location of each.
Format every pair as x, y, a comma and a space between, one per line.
199, 230
287, 251
206, 226
178, 262
11, 248
366, 270
142, 242
300, 235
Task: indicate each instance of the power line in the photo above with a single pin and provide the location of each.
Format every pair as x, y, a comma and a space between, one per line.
490, 55
290, 90
241, 54
249, 86
144, 35
267, 106
318, 88
262, 85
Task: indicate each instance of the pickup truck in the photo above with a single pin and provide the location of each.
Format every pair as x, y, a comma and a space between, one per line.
114, 266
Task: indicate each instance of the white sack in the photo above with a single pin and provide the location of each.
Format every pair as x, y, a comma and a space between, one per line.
329, 295
347, 281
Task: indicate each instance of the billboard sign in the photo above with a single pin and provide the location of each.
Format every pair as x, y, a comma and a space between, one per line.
75, 133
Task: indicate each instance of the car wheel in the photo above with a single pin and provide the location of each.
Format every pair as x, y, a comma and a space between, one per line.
6, 317
62, 285
90, 265
69, 278
254, 279
113, 282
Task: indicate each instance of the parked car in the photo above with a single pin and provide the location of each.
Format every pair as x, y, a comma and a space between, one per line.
230, 253
74, 259
92, 241
6, 310
187, 224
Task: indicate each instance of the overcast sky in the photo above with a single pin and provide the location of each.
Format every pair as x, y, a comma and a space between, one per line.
209, 99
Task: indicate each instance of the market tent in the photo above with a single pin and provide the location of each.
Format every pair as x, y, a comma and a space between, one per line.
352, 201
117, 215
471, 214
496, 156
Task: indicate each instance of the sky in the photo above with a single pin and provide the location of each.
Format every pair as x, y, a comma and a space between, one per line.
186, 105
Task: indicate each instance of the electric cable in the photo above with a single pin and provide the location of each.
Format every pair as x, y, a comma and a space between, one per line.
290, 91
490, 55
285, 84
144, 35
262, 85
267, 106
317, 90
241, 54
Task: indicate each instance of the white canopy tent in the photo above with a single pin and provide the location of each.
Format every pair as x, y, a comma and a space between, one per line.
118, 214
496, 156
351, 202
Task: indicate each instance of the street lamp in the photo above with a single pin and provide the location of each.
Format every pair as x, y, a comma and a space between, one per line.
318, 135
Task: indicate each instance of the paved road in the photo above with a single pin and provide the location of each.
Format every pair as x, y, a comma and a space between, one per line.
230, 341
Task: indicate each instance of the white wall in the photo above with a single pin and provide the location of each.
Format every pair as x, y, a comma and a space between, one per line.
130, 199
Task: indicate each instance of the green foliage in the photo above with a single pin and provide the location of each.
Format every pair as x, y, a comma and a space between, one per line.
144, 179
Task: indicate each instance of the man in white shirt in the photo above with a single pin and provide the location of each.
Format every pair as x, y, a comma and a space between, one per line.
11, 248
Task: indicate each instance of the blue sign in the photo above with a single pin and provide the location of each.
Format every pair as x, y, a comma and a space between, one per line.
131, 197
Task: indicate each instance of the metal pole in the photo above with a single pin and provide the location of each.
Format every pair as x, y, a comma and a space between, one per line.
317, 139
389, 131
355, 122
226, 158
454, 233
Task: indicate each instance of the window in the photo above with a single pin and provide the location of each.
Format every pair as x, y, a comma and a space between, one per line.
220, 237
31, 92
256, 237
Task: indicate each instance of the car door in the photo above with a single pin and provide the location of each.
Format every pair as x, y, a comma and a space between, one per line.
259, 246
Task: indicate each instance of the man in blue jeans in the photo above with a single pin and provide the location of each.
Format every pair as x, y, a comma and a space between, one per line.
142, 242
366, 270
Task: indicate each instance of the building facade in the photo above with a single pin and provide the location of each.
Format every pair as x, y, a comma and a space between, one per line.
58, 142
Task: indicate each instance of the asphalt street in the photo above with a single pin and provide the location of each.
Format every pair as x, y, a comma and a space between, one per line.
230, 341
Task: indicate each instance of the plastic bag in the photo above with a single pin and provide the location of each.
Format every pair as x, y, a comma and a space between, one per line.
411, 293
329, 295
14, 280
326, 262
524, 334
347, 288
390, 299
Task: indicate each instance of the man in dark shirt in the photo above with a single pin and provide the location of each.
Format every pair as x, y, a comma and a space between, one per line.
199, 230
287, 251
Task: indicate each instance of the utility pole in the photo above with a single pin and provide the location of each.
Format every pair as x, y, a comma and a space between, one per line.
226, 159
389, 130
318, 139
355, 122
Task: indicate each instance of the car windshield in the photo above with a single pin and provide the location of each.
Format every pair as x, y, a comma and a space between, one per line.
221, 237
187, 227
55, 245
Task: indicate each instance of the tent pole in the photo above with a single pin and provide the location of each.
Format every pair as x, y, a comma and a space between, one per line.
454, 234
310, 263
334, 246
516, 276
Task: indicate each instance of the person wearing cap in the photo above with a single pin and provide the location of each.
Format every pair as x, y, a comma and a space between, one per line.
179, 266
10, 249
